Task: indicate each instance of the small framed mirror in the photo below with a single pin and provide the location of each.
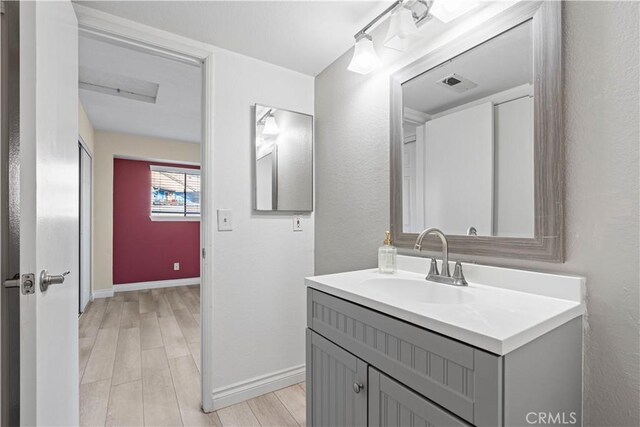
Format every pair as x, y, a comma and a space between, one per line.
476, 134
283, 170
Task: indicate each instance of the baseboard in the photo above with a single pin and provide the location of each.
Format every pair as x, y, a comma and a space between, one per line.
103, 293
236, 393
155, 285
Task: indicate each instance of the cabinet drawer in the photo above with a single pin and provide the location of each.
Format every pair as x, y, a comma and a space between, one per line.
391, 404
458, 377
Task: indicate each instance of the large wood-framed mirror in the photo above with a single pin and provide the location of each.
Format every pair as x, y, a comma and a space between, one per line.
477, 140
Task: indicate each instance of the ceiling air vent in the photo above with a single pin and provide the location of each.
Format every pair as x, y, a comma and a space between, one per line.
117, 85
457, 83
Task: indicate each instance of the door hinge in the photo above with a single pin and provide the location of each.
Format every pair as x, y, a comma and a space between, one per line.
26, 282
204, 253
2, 7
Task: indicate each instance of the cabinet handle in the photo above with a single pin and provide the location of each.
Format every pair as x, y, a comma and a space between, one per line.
357, 387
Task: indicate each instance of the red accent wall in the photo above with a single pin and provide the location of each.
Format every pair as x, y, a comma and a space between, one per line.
144, 250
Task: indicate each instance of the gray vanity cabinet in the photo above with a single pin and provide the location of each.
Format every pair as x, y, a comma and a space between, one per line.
368, 368
339, 389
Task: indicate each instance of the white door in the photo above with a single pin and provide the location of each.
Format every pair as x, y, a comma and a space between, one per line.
49, 196
85, 228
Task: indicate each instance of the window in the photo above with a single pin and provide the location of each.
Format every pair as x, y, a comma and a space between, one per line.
175, 193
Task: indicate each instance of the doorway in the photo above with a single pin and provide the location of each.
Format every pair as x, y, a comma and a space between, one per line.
135, 39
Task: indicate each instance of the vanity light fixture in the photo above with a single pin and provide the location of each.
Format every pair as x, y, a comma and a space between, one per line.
448, 10
364, 58
270, 125
402, 28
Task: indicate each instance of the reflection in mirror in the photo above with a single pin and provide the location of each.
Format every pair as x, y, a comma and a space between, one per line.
468, 152
284, 160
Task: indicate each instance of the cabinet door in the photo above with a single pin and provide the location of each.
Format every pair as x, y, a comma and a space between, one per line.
391, 404
336, 385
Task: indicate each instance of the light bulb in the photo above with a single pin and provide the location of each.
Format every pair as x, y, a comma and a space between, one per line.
364, 58
402, 29
270, 126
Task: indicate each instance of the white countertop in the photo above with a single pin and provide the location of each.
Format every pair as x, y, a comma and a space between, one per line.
491, 317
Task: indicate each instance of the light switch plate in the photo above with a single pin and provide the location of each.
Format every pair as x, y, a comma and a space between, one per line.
176, 266
225, 220
297, 223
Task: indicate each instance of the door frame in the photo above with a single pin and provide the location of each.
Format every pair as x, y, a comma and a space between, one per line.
103, 26
9, 230
83, 146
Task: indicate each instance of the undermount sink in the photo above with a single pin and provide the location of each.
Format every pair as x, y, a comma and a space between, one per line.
417, 291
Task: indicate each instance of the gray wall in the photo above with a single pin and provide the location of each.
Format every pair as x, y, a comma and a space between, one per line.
602, 217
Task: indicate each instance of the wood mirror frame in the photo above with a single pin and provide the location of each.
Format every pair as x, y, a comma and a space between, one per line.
547, 243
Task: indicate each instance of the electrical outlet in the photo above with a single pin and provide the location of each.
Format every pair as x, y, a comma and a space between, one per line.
176, 266
297, 223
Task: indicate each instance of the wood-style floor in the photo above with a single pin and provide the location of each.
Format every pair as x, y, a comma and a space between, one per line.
140, 365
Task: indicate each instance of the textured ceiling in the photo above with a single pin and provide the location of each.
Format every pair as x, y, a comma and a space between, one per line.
305, 36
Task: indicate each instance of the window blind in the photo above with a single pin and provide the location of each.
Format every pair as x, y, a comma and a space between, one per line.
175, 192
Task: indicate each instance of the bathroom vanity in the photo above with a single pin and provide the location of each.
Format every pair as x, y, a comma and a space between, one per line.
398, 350
476, 145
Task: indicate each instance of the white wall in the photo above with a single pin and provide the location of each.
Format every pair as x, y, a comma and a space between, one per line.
601, 204
85, 128
108, 145
258, 295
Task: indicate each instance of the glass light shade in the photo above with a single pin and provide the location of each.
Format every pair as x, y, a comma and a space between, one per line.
364, 58
270, 126
402, 29
448, 10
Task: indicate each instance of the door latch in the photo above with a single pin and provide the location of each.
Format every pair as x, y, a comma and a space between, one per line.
26, 282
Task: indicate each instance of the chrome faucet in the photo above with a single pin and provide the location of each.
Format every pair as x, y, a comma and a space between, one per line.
444, 277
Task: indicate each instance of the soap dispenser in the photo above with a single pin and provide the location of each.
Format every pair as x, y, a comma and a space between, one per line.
387, 256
